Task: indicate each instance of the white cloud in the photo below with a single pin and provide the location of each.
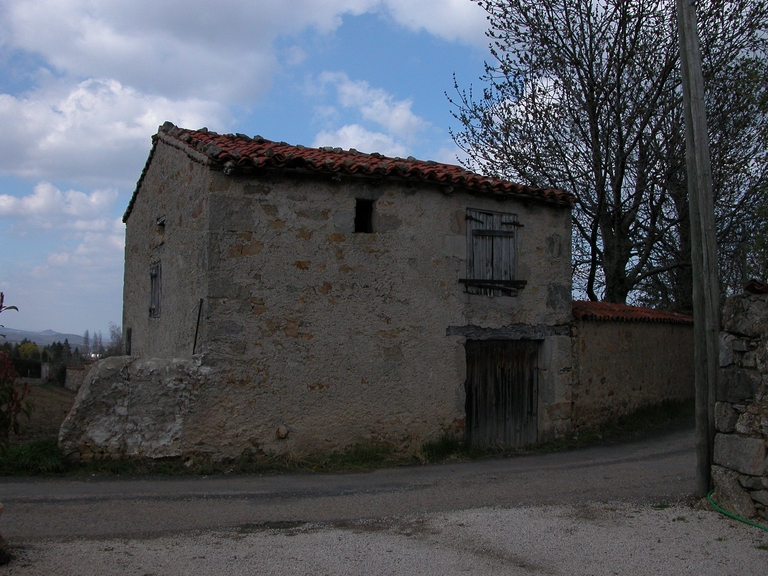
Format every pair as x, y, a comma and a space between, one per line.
198, 48
450, 154
97, 131
294, 55
47, 204
461, 20
375, 105
97, 248
111, 72
48, 208
179, 48
71, 289
78, 282
357, 137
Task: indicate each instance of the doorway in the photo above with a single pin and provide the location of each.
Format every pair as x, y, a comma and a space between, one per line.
502, 392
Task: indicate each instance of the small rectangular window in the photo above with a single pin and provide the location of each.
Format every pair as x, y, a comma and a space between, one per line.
128, 333
363, 215
492, 253
155, 289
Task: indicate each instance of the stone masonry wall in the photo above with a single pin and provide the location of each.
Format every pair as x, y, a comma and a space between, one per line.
740, 470
167, 226
621, 366
342, 337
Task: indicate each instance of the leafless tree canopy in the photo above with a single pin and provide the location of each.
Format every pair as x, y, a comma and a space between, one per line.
585, 95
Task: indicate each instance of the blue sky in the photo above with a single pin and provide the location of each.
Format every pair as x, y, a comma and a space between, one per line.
84, 84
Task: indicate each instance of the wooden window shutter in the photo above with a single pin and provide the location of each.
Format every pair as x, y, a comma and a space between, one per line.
492, 253
155, 289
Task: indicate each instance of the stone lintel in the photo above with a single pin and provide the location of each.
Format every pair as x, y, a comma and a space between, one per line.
513, 332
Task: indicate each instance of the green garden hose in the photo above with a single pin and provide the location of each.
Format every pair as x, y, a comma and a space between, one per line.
739, 518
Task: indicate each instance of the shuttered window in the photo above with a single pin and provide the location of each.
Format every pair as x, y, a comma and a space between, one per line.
155, 289
492, 253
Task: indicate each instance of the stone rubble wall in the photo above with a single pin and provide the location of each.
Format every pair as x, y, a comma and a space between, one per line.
131, 407
740, 469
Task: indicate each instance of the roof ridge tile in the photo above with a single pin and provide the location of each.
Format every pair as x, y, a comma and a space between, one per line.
610, 311
235, 153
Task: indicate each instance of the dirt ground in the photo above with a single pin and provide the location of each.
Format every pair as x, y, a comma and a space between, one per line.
51, 404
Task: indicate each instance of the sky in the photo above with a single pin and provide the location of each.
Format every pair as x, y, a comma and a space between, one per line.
84, 84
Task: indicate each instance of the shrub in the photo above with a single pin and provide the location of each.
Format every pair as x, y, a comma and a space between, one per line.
13, 402
27, 367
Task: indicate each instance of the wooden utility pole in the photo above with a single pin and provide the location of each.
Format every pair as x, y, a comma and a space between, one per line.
706, 287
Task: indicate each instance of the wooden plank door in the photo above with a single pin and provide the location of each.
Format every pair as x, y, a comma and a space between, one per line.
502, 392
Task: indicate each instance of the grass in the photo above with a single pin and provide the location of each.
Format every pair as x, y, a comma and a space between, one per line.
35, 458
43, 457
360, 457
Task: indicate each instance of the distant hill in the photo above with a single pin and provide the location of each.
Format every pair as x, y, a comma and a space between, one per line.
40, 338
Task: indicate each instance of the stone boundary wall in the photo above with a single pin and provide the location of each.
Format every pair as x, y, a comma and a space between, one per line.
76, 375
621, 365
74, 378
740, 466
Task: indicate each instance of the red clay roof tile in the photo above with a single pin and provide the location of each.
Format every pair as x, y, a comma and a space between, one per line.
585, 310
235, 153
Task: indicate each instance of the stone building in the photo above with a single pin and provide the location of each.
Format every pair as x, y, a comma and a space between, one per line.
335, 297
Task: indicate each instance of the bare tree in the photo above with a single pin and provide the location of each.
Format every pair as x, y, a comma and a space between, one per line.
98, 345
115, 340
585, 96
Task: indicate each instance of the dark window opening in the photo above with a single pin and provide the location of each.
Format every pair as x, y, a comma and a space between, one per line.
128, 333
155, 289
161, 225
363, 215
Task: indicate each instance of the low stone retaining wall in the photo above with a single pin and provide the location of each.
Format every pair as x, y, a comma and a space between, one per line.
740, 469
132, 408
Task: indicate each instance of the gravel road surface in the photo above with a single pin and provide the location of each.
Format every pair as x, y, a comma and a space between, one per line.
615, 509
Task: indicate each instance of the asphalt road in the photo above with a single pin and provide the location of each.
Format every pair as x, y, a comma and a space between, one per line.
655, 469
614, 509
